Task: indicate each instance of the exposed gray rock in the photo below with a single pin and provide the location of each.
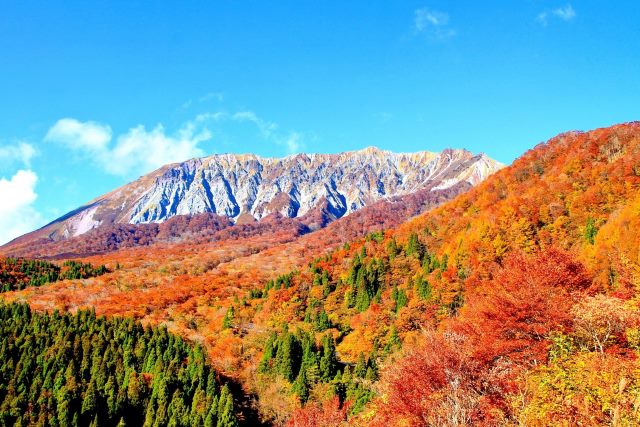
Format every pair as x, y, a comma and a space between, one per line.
234, 185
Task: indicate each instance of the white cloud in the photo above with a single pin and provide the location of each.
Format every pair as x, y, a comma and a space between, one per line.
426, 18
566, 13
21, 152
294, 142
140, 150
17, 214
135, 152
212, 117
211, 96
218, 96
433, 23
80, 135
269, 131
543, 18
265, 127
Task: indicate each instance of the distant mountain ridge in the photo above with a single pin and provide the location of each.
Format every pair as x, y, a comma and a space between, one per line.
248, 188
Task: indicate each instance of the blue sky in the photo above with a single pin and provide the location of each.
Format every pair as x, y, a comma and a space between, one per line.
94, 94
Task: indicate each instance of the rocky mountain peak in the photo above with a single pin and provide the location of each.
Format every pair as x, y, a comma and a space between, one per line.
246, 187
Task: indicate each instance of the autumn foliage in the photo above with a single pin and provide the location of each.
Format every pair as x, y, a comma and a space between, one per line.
511, 315
516, 303
431, 385
329, 414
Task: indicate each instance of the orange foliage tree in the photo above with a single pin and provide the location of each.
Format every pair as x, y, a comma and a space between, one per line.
328, 414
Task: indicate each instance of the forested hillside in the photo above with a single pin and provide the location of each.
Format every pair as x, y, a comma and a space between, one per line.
516, 303
82, 370
18, 273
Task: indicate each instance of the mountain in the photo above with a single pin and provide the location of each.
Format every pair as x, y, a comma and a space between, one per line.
318, 188
516, 302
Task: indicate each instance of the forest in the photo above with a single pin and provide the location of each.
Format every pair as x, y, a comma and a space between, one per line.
515, 303
18, 273
82, 370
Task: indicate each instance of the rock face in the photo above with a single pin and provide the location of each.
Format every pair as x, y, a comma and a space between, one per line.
248, 187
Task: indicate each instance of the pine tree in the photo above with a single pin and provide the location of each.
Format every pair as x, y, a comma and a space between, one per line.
401, 299
227, 322
350, 298
211, 383
110, 393
415, 248
423, 289
178, 413
328, 361
267, 356
393, 342
198, 407
211, 420
392, 248
360, 369
322, 321
288, 356
227, 416
70, 370
134, 389
63, 407
363, 289
590, 231
90, 400
301, 386
363, 299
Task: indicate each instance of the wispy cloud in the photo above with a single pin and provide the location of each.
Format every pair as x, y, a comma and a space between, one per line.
292, 140
433, 23
265, 127
141, 150
217, 96
135, 152
211, 96
566, 13
20, 152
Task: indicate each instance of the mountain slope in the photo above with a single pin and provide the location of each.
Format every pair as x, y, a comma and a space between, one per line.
516, 303
246, 188
470, 312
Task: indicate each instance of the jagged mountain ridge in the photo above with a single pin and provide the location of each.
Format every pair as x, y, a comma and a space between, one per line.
248, 187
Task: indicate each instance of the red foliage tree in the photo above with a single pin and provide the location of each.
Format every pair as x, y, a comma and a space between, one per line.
512, 314
430, 385
327, 414
460, 376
